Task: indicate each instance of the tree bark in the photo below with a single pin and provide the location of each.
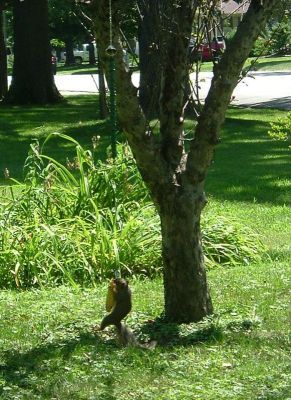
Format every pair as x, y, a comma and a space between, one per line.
187, 296
92, 58
32, 77
3, 60
103, 107
149, 48
70, 58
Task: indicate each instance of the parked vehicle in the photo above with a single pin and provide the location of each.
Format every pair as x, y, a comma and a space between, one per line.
206, 51
81, 54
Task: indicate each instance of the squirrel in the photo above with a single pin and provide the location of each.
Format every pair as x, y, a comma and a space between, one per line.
119, 304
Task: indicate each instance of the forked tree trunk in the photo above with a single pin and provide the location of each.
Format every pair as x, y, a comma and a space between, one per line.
174, 176
32, 77
187, 297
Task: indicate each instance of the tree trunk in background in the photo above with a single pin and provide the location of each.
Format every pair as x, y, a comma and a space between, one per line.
148, 38
101, 33
103, 107
69, 47
32, 78
3, 60
92, 58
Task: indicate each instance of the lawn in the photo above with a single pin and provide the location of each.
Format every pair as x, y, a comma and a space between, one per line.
20, 125
263, 64
47, 348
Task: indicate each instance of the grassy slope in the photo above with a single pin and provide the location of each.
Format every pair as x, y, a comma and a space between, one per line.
47, 349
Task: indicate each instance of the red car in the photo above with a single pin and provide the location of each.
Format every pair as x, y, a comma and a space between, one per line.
206, 51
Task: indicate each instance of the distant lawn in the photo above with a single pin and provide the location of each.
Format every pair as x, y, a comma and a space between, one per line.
78, 117
248, 165
272, 64
263, 64
238, 172
282, 64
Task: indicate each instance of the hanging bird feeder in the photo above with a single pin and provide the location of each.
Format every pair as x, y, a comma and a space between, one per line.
111, 52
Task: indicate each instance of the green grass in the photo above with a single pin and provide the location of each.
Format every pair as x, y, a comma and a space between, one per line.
272, 64
76, 117
249, 166
282, 64
47, 348
264, 64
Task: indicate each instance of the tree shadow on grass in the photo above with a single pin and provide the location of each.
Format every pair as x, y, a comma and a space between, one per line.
171, 334
249, 166
78, 117
22, 370
17, 367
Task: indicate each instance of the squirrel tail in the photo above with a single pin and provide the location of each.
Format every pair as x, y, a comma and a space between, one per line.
127, 338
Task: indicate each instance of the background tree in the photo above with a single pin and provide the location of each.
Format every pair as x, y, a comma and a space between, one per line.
32, 77
3, 55
175, 173
65, 25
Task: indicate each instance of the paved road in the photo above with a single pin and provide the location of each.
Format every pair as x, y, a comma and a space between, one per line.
259, 89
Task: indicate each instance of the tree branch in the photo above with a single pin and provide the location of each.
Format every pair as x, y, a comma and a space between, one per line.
226, 75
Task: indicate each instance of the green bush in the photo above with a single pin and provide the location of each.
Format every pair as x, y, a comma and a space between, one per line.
261, 48
281, 128
77, 224
228, 243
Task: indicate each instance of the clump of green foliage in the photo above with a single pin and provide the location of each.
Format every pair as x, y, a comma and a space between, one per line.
78, 223
275, 40
227, 242
281, 128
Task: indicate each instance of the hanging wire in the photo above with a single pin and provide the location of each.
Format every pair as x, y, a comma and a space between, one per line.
110, 23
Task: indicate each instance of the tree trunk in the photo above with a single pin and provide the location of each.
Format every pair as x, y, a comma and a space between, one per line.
3, 60
103, 107
92, 58
187, 297
70, 58
32, 78
149, 48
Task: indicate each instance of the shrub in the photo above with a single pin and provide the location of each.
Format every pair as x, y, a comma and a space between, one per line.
281, 128
227, 242
77, 224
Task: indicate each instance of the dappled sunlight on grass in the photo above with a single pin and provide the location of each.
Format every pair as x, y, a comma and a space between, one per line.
47, 347
77, 117
248, 164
